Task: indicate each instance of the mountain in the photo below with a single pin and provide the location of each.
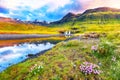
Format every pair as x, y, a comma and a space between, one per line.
97, 14
68, 17
100, 14
4, 19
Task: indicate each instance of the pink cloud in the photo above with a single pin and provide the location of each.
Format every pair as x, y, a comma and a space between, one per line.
90, 4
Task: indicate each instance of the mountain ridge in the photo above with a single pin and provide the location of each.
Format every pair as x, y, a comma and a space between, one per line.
100, 13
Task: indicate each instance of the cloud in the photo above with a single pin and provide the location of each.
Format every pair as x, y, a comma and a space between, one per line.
33, 9
56, 4
89, 4
4, 15
33, 4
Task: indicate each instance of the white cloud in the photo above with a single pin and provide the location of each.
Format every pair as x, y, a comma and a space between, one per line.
4, 15
33, 4
53, 5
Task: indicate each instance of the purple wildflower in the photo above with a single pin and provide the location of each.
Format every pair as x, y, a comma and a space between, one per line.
94, 48
89, 68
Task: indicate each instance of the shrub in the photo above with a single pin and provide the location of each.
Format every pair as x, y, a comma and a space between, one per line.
104, 49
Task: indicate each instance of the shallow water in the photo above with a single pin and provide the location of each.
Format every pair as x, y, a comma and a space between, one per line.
14, 54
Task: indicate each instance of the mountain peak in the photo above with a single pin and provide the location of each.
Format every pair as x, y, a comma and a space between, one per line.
69, 15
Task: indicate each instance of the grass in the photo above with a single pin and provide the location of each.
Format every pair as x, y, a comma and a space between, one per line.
112, 27
82, 27
63, 61
21, 28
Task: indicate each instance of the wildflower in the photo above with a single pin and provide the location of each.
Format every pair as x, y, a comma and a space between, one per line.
89, 68
94, 48
113, 59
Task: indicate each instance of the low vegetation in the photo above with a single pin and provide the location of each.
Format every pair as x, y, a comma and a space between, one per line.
21, 28
91, 59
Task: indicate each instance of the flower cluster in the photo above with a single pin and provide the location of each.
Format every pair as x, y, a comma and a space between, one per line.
94, 48
113, 58
89, 68
33, 67
36, 69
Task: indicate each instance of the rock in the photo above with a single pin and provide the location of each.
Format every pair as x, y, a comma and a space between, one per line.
30, 55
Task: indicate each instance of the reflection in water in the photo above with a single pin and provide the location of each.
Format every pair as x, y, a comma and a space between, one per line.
17, 53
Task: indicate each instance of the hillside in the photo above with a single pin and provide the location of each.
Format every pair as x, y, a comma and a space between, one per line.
4, 19
68, 17
10, 26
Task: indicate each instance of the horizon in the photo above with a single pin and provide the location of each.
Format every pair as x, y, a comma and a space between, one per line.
49, 10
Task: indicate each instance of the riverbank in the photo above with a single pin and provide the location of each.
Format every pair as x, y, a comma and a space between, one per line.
26, 36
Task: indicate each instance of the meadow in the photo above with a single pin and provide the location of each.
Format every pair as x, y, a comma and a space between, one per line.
85, 59
21, 28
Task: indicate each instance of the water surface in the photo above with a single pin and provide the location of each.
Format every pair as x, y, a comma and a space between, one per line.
14, 54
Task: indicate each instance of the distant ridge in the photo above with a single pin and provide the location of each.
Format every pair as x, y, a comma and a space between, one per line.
101, 13
102, 9
4, 19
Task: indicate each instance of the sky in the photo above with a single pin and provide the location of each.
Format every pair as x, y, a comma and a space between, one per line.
49, 10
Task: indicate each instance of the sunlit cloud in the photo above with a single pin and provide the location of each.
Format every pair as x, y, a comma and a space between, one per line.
89, 4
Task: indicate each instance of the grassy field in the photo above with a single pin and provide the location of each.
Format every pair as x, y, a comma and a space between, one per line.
82, 27
20, 28
65, 60
91, 26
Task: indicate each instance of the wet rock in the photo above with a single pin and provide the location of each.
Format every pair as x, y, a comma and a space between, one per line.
30, 55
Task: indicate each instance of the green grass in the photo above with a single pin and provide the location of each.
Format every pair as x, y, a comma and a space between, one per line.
63, 61
83, 27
